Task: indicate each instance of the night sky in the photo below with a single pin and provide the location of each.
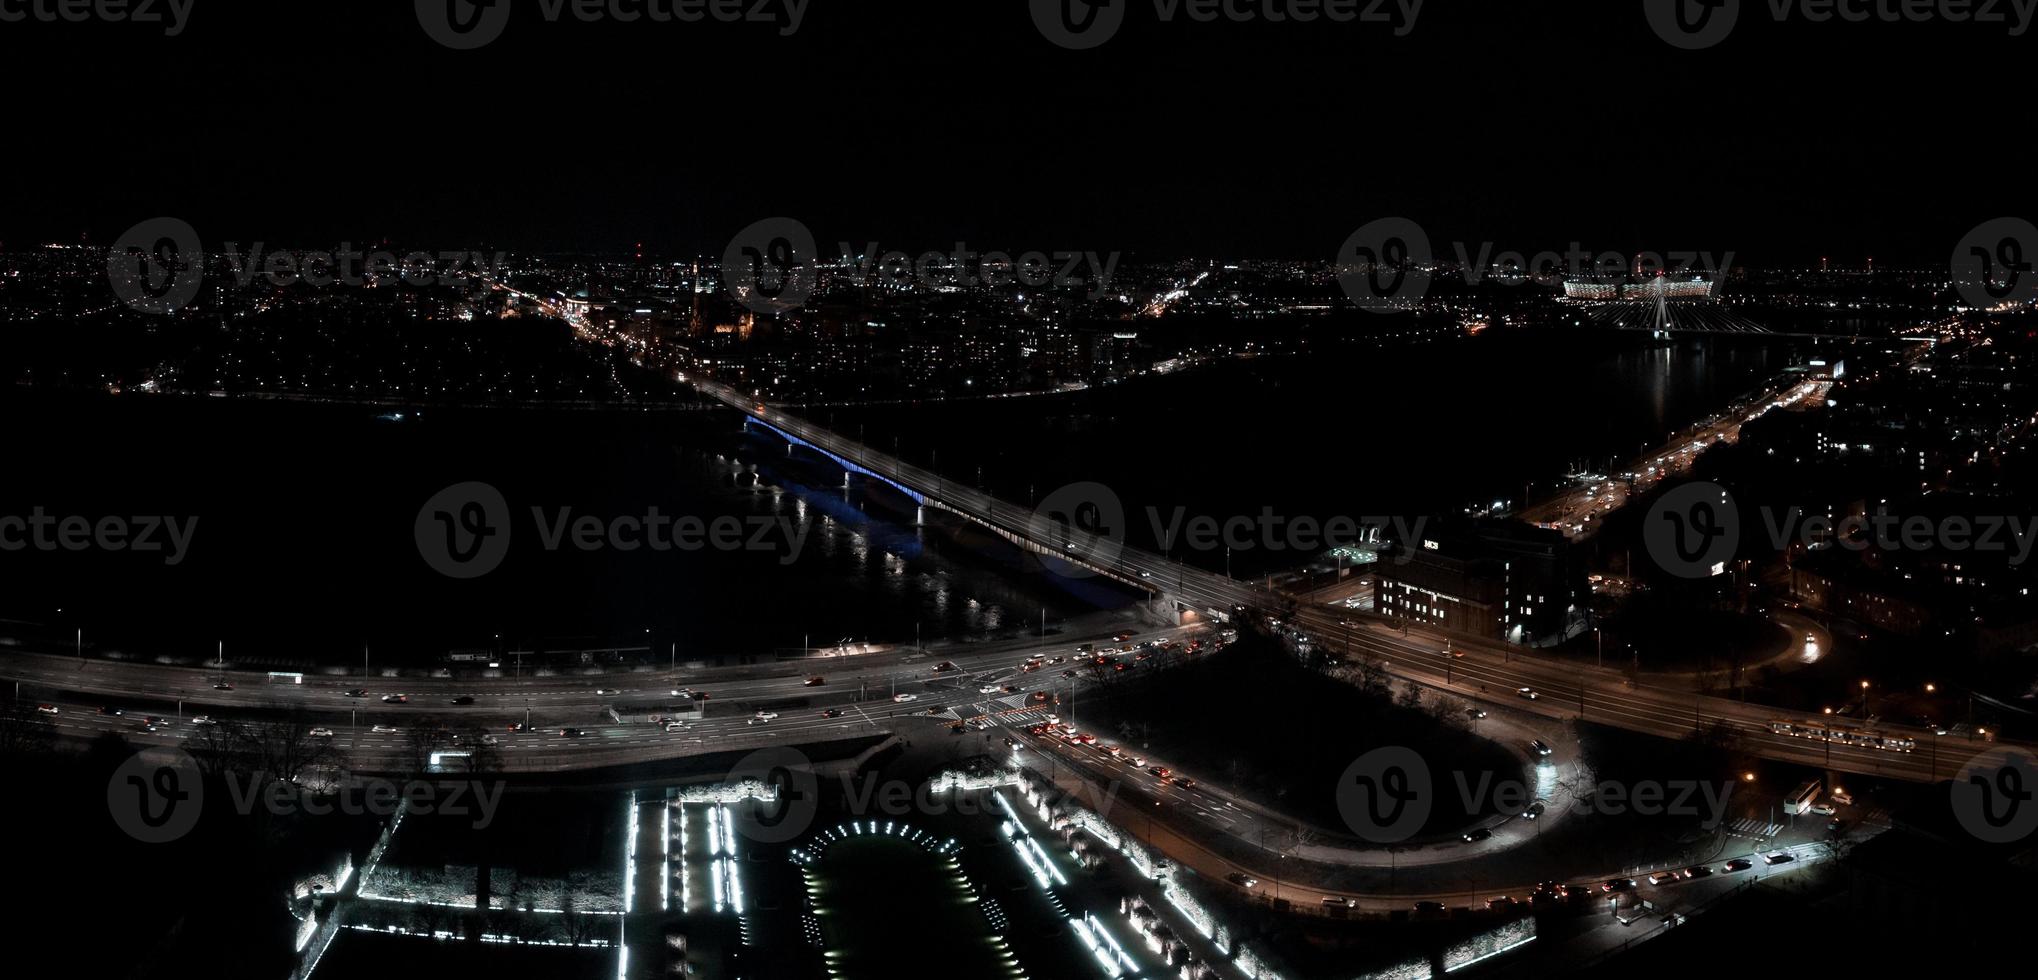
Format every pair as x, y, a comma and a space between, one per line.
1529, 124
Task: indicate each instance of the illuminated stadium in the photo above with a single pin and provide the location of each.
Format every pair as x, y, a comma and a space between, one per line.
1663, 303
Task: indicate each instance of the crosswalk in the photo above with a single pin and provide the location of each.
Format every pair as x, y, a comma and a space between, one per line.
1753, 828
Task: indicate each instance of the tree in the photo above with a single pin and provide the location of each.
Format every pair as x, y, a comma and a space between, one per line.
24, 731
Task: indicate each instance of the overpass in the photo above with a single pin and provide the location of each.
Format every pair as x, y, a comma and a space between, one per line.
1488, 671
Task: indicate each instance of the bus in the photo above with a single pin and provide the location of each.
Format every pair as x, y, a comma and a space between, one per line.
1802, 800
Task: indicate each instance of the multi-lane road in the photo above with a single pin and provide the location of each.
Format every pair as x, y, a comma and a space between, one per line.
850, 696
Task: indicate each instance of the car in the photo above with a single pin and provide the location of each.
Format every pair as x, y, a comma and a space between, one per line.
674, 726
110, 710
990, 689
463, 699
1134, 761
1335, 902
1068, 673
1842, 797
944, 667
935, 710
520, 727
1477, 713
766, 715
203, 720
1835, 826
1617, 885
903, 698
385, 730
1143, 573
1057, 660
1161, 771
1665, 878
1011, 689
814, 682
1429, 908
571, 733
1823, 809
1184, 782
1527, 692
1737, 864
1476, 835
832, 713
1499, 902
1124, 635
490, 740
48, 709
1540, 749
358, 692
223, 686
603, 692
1534, 810
1697, 871
1037, 697
321, 733
396, 699
1242, 880
1778, 857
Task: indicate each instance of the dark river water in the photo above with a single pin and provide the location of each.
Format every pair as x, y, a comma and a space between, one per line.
306, 547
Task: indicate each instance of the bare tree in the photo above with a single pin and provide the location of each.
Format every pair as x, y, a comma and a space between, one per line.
421, 742
24, 731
